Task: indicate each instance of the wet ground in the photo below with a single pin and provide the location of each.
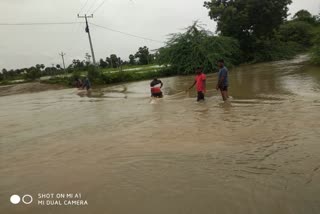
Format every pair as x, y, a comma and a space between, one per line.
259, 153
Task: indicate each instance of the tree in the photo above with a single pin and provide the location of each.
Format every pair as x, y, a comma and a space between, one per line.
33, 73
297, 31
42, 66
113, 61
88, 59
315, 51
76, 63
151, 58
143, 55
243, 17
38, 67
93, 73
120, 62
305, 16
103, 64
132, 60
4, 73
249, 21
317, 18
198, 47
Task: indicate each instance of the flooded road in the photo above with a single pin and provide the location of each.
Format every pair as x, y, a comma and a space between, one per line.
260, 153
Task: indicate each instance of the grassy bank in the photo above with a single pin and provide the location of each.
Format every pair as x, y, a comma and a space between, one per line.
100, 76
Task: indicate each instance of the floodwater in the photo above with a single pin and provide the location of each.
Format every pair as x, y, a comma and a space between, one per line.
257, 154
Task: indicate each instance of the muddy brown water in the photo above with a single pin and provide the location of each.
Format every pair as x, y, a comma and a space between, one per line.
260, 153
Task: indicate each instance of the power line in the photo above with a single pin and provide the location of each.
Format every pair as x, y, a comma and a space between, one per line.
92, 5
39, 23
72, 23
128, 34
100, 5
85, 4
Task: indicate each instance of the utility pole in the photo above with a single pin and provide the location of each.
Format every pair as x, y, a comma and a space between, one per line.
62, 55
88, 31
120, 64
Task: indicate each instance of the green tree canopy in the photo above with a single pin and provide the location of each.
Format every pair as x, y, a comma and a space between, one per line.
113, 61
132, 60
88, 59
315, 52
249, 21
297, 31
248, 17
305, 16
198, 47
143, 55
103, 64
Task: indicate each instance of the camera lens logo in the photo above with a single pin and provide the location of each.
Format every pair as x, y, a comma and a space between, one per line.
15, 199
26, 199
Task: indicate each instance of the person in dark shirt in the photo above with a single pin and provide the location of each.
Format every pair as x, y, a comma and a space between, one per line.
156, 86
223, 80
86, 84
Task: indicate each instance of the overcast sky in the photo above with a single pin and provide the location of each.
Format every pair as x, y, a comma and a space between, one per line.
24, 46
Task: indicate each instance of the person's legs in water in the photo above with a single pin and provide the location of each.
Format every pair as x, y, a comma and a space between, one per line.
200, 96
224, 93
157, 95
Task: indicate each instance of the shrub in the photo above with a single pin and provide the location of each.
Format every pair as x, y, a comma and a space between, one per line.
315, 51
270, 50
94, 73
198, 47
296, 31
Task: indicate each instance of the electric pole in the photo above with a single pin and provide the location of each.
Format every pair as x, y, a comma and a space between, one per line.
120, 64
62, 55
88, 31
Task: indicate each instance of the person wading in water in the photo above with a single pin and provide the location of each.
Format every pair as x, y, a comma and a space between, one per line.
200, 82
86, 84
156, 86
223, 80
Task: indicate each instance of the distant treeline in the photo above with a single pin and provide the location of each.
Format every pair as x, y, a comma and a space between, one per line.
141, 57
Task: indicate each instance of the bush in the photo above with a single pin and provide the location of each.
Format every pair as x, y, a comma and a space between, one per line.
296, 31
315, 51
4, 82
33, 74
315, 55
94, 73
271, 50
198, 47
76, 75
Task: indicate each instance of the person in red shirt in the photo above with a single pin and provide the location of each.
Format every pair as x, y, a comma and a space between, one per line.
200, 83
156, 86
